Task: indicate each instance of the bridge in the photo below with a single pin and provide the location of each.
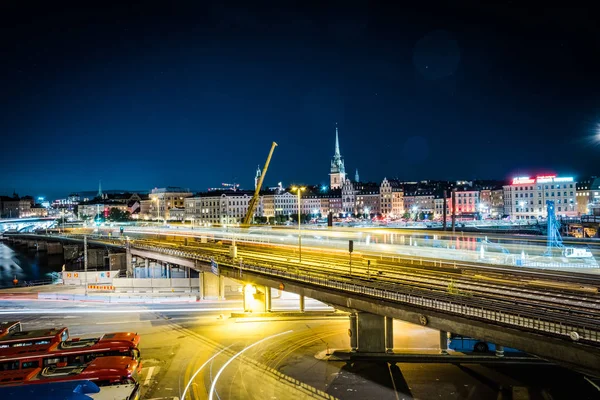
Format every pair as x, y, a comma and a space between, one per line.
551, 314
26, 224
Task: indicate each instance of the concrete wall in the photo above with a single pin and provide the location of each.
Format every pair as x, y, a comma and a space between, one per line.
54, 248
139, 285
118, 261
77, 278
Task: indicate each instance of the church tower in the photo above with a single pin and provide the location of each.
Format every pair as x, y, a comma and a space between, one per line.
356, 177
337, 176
257, 177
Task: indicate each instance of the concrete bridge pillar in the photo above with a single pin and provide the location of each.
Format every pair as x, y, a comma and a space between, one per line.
353, 332
201, 285
443, 342
147, 268
221, 287
389, 335
302, 303
371, 333
129, 262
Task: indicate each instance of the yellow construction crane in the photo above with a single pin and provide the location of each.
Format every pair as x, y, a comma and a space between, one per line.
254, 200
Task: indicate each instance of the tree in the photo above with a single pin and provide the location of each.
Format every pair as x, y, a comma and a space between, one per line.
117, 215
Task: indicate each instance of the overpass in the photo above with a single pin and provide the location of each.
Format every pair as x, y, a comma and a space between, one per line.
560, 326
26, 224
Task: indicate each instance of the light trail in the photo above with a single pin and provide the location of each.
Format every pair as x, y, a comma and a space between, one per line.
135, 311
214, 383
200, 369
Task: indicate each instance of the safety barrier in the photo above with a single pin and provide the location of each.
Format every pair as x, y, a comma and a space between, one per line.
101, 287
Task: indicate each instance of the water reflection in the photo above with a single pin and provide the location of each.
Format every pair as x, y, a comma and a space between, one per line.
26, 264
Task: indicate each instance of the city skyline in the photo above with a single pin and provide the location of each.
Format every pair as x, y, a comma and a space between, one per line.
196, 97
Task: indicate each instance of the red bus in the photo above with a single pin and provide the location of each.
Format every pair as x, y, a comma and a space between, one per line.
18, 338
7, 327
76, 352
102, 371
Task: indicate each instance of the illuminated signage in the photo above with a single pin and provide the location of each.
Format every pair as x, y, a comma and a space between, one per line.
546, 178
522, 180
553, 178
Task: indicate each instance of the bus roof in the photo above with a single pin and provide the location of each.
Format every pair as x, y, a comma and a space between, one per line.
110, 341
9, 326
111, 368
34, 334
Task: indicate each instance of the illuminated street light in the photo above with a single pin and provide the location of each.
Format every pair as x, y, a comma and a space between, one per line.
299, 190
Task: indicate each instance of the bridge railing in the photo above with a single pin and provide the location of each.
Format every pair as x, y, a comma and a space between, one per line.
457, 306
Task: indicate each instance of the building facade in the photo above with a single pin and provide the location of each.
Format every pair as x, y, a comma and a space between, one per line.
219, 208
391, 198
167, 198
525, 197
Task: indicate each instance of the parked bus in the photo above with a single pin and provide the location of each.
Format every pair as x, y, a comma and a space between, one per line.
18, 338
103, 371
75, 352
468, 345
70, 390
7, 327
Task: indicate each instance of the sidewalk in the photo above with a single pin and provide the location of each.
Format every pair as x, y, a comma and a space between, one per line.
77, 293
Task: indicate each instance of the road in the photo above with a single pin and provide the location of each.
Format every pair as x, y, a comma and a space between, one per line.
179, 339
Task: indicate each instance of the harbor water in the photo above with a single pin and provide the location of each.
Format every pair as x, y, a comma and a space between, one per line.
26, 265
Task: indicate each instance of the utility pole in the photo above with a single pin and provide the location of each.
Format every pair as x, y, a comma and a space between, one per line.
453, 210
444, 210
85, 263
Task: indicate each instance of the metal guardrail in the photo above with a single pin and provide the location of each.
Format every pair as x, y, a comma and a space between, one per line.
399, 295
457, 307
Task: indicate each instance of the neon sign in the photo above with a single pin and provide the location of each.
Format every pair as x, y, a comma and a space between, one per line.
522, 180
565, 179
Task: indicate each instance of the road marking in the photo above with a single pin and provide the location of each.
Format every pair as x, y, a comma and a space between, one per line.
200, 369
149, 376
236, 355
393, 382
592, 382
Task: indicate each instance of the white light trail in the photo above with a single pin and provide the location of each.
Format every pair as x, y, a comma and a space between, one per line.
214, 383
200, 369
134, 311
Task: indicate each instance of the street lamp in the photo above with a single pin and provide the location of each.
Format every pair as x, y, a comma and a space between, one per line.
299, 190
157, 209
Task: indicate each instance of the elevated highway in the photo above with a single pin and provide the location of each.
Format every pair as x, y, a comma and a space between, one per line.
550, 314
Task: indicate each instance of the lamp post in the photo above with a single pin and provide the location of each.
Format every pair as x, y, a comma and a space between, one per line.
157, 210
299, 190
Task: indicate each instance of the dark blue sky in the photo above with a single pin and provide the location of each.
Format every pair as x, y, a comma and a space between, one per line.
192, 95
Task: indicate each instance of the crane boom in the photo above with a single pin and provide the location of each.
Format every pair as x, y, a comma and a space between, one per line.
255, 197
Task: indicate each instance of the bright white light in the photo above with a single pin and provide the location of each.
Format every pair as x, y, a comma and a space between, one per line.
214, 383
200, 369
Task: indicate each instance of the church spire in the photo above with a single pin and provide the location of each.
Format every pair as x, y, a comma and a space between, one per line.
100, 188
337, 141
356, 176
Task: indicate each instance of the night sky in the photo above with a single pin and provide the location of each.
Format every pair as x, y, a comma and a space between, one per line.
187, 95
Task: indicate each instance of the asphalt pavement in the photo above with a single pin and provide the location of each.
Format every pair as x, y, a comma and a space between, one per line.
284, 358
